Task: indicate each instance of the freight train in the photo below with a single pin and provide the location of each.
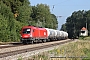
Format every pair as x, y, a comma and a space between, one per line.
31, 34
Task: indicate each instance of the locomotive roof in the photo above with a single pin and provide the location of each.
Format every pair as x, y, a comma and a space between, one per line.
33, 27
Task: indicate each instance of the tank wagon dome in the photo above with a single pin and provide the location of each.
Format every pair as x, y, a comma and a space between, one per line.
66, 34
58, 33
48, 33
55, 32
62, 33
52, 32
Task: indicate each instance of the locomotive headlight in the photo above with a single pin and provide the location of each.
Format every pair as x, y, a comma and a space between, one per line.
25, 36
30, 35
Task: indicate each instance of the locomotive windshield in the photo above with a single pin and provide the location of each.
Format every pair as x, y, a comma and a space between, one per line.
26, 31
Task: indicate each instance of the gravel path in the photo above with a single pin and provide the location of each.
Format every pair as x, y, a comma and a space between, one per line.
27, 54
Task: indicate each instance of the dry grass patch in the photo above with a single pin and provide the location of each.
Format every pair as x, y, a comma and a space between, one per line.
75, 49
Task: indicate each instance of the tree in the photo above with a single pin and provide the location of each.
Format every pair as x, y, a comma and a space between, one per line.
24, 12
12, 18
42, 16
76, 21
63, 27
17, 13
3, 28
54, 21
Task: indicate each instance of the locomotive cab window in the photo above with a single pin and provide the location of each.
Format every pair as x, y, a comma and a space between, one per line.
26, 31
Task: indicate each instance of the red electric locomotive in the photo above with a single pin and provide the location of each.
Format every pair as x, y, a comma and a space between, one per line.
30, 34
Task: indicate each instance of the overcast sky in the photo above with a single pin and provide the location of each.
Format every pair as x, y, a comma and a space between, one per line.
63, 8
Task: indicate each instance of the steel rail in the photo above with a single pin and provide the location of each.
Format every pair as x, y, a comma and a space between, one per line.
2, 55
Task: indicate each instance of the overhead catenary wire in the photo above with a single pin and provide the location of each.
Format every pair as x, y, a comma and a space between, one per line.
53, 6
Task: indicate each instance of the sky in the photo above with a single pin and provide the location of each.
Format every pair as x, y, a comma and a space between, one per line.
63, 8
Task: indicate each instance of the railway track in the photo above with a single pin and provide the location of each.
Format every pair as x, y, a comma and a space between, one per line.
10, 45
2, 55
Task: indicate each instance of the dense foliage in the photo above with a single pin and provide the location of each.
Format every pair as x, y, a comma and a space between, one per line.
75, 22
17, 13
42, 17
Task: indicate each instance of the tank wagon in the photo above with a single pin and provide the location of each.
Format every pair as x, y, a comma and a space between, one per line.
30, 34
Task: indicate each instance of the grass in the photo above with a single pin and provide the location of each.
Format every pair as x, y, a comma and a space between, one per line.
81, 48
41, 56
3, 43
77, 49
84, 38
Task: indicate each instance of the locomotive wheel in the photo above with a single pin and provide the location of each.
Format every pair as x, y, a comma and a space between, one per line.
32, 42
48, 40
44, 40
24, 42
